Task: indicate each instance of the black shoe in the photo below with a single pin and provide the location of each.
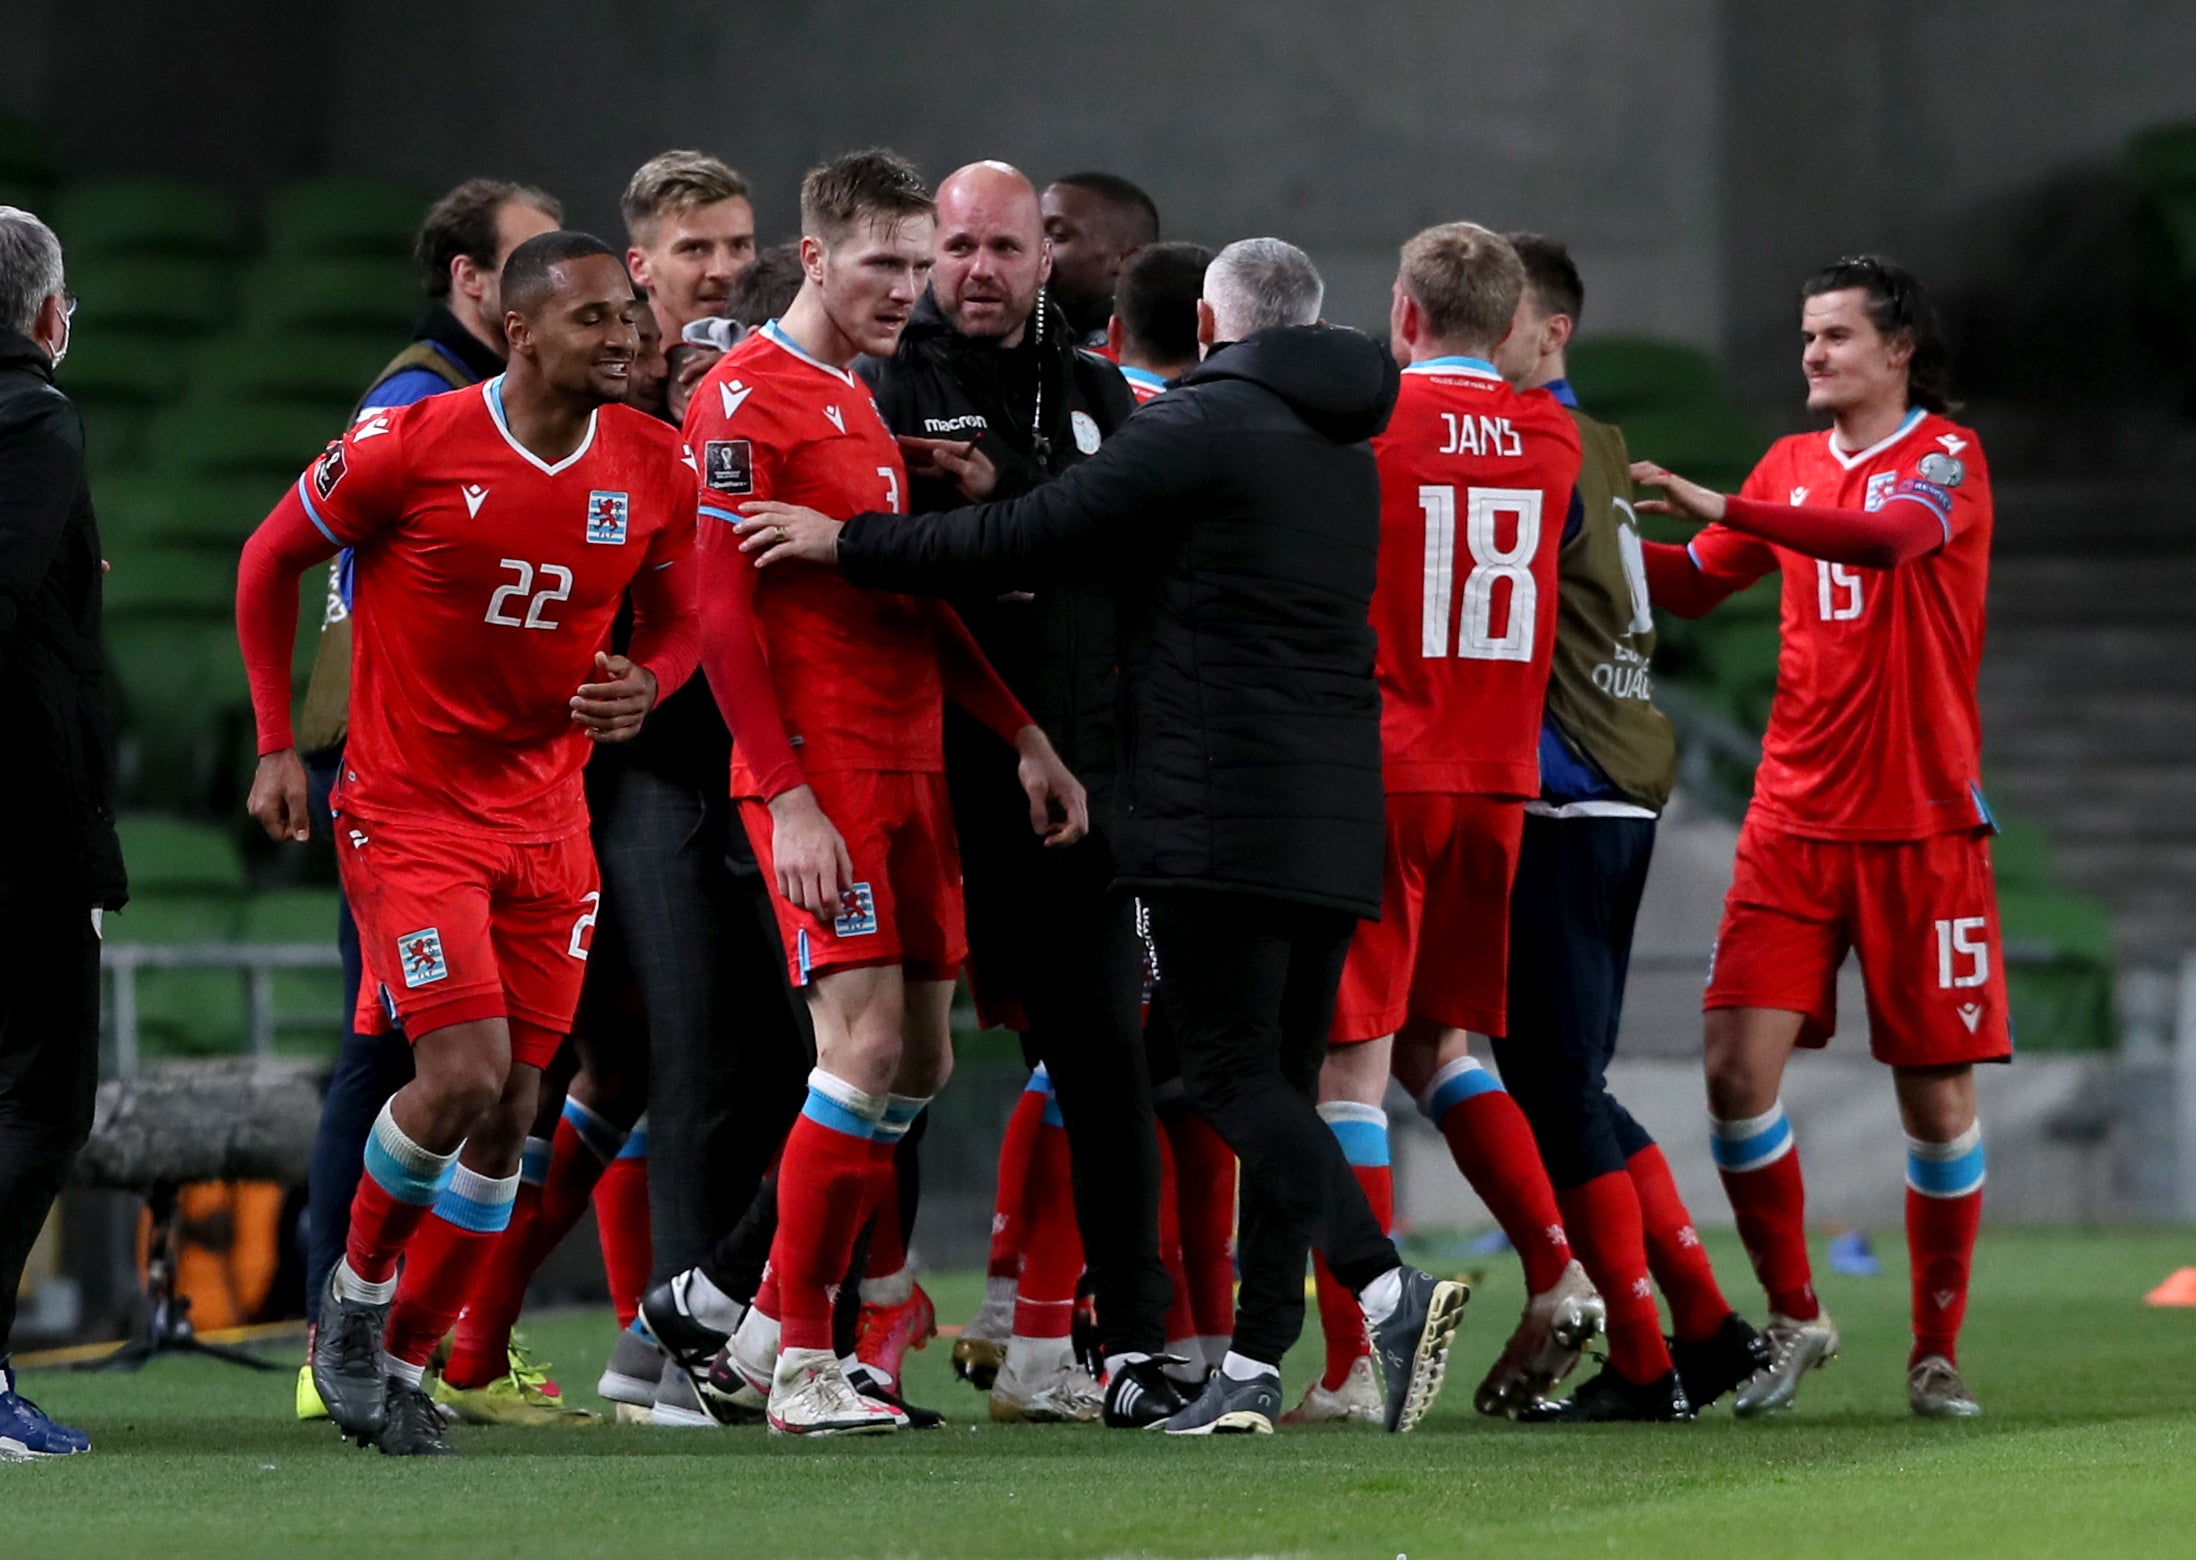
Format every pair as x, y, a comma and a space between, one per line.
1413, 1344
348, 1372
1713, 1365
1608, 1399
1141, 1393
1228, 1407
878, 1390
727, 1395
412, 1426
692, 1343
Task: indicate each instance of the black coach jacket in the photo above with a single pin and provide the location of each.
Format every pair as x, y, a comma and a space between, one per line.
57, 840
1237, 520
1055, 641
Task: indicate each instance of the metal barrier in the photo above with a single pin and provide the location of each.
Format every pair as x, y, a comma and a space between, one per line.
256, 963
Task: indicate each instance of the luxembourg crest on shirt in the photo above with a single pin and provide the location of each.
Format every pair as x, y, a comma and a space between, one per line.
606, 518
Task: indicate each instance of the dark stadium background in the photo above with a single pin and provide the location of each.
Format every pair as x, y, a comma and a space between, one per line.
1699, 158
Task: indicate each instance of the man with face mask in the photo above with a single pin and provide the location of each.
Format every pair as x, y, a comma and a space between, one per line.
988, 363
61, 868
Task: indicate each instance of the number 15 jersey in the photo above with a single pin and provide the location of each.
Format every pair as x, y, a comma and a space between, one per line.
1476, 482
1874, 733
485, 579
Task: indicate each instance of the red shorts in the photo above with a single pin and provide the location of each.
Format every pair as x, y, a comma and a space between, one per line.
905, 906
456, 927
1922, 915
1445, 894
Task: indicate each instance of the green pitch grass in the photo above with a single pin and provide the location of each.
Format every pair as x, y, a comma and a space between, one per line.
2088, 1447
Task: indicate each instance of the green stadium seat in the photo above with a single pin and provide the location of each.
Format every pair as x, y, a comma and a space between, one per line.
1713, 445
2060, 969
103, 217
136, 511
289, 297
26, 152
109, 367
141, 295
181, 706
370, 217
155, 580
114, 438
179, 856
182, 1012
308, 1004
1616, 376
318, 370
2163, 158
1741, 658
2021, 856
270, 442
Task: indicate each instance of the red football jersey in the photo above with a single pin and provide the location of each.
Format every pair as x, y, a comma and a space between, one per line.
1475, 482
1143, 383
1874, 733
484, 582
855, 672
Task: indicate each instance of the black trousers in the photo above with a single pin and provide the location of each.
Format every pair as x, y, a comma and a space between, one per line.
727, 1051
49, 1072
1249, 986
368, 1069
1572, 912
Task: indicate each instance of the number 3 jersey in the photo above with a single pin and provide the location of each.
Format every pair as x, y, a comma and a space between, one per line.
1476, 481
1874, 733
854, 673
485, 580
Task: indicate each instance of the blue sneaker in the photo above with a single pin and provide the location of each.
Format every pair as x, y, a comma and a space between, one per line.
26, 1432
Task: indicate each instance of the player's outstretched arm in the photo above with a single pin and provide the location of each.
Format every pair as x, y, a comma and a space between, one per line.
1912, 523
286, 544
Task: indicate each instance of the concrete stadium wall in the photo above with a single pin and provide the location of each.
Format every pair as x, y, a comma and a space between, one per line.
1701, 155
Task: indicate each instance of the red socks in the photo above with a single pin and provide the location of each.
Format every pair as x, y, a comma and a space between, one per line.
1944, 1193
1603, 1215
824, 1179
1493, 1145
1362, 1130
1014, 1151
1761, 1175
444, 1260
1204, 1176
621, 1224
1675, 1255
1052, 1243
400, 1184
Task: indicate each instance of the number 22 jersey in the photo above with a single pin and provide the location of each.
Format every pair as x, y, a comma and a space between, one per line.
1874, 733
1476, 482
485, 579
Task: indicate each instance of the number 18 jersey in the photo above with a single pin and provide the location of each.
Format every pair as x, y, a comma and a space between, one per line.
1476, 481
485, 579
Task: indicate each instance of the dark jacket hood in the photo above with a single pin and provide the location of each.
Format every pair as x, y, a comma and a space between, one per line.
1338, 380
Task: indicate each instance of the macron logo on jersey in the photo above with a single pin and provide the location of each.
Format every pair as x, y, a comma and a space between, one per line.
732, 393
371, 428
1952, 443
1799, 497
606, 518
475, 496
838, 419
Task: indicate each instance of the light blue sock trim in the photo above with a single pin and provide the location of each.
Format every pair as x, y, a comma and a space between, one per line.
636, 1141
838, 1105
899, 1116
402, 1168
1954, 1169
479, 1203
1040, 1081
534, 1162
602, 1138
1051, 1116
1752, 1142
1455, 1083
1362, 1130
